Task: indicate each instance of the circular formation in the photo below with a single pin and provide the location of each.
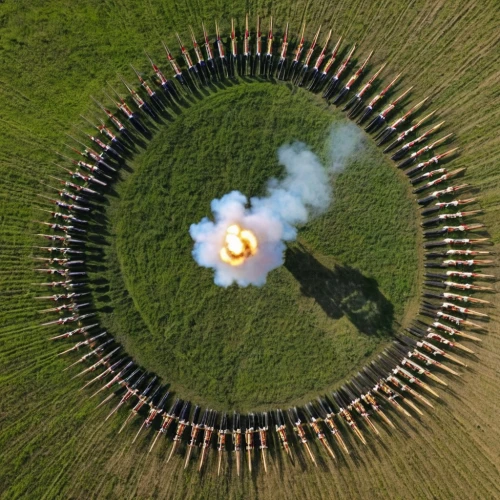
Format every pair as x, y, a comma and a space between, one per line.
318, 319
379, 387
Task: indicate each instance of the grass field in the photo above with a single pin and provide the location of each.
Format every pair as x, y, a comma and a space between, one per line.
54, 54
334, 308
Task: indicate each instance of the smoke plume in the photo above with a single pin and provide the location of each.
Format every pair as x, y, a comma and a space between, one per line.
303, 193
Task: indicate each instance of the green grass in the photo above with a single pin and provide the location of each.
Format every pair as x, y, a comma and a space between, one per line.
331, 308
53, 54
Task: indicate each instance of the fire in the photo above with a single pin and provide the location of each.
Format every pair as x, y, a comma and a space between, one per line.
239, 244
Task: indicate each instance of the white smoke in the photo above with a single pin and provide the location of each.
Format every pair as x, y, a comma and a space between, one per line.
304, 192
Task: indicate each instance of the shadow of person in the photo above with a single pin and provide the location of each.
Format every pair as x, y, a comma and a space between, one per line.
341, 291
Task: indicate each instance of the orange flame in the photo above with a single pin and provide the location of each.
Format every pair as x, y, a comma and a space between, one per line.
239, 244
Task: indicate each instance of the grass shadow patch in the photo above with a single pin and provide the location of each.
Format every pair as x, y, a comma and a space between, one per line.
341, 291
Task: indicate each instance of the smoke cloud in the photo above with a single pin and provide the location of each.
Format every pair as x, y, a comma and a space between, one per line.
303, 193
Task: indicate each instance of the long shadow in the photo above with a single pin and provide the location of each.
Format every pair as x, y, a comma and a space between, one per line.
342, 291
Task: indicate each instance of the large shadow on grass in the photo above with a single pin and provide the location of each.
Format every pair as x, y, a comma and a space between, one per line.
342, 291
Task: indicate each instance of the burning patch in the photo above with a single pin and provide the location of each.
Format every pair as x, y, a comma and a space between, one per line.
239, 245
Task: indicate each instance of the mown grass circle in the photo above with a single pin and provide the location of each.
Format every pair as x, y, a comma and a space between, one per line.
345, 284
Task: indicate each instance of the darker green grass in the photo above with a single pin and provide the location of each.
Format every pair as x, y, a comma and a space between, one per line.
333, 305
